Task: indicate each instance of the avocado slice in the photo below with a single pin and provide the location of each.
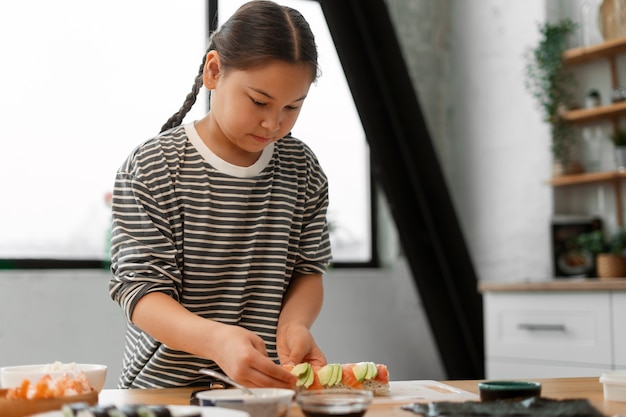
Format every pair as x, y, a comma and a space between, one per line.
332, 374
372, 371
336, 377
303, 371
325, 374
310, 377
360, 371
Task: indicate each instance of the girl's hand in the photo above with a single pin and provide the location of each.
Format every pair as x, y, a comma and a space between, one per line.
242, 356
295, 344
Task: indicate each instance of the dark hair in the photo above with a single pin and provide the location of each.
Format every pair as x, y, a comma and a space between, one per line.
258, 32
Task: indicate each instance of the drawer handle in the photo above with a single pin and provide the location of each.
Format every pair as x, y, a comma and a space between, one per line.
542, 327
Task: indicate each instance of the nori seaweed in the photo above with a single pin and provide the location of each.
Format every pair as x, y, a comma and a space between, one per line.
535, 407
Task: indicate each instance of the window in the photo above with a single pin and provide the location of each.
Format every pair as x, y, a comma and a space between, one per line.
82, 84
85, 82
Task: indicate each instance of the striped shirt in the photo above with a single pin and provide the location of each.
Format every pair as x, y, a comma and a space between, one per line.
222, 240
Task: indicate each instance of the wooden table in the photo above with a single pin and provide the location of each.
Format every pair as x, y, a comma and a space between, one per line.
556, 388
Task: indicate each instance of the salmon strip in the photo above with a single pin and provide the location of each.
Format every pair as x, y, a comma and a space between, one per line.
383, 373
316, 379
347, 376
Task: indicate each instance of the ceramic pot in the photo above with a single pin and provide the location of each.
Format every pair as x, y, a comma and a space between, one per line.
560, 168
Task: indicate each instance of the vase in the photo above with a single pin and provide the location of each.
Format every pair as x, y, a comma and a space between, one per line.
610, 265
612, 18
620, 157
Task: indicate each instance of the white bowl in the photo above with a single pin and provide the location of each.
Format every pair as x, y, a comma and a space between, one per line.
266, 402
12, 376
614, 385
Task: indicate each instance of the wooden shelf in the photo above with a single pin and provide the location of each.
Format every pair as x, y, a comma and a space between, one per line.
612, 177
596, 114
608, 51
583, 54
587, 178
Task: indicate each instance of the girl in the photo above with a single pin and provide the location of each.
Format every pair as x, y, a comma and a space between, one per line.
220, 236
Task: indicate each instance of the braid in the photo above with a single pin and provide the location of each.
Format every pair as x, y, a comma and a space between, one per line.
177, 118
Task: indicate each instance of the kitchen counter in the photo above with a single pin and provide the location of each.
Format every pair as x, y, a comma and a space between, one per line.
565, 284
555, 388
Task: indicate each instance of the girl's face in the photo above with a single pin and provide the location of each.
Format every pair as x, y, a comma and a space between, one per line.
252, 108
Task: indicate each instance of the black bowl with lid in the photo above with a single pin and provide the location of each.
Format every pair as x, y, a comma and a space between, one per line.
505, 390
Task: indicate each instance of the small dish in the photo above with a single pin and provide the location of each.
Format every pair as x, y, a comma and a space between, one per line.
22, 407
266, 402
505, 390
334, 402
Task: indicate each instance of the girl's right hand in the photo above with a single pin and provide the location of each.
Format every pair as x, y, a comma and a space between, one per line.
242, 356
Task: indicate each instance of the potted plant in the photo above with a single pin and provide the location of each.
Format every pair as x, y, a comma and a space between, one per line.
619, 140
608, 253
550, 83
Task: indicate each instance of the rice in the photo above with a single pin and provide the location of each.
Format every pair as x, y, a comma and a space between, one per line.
378, 388
60, 367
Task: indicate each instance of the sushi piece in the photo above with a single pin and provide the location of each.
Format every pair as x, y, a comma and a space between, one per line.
98, 411
72, 409
125, 411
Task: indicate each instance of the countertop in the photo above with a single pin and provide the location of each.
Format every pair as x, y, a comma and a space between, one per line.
561, 284
556, 388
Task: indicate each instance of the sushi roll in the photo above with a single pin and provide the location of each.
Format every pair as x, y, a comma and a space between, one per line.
84, 410
367, 376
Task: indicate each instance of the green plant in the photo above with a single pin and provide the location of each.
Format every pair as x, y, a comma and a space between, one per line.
619, 137
550, 83
595, 242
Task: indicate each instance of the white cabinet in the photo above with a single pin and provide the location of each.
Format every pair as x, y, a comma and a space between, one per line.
619, 328
540, 334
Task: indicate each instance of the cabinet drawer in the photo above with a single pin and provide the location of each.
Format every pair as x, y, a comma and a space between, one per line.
555, 326
619, 330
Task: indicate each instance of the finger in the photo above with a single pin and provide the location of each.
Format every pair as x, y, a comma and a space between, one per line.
276, 375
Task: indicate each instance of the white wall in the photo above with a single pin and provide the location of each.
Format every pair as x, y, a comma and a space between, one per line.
499, 147
48, 316
67, 316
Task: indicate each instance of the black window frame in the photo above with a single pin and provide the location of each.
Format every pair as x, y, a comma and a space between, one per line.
62, 263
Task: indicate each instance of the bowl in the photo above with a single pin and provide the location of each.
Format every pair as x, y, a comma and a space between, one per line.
266, 402
12, 376
505, 390
614, 385
334, 402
